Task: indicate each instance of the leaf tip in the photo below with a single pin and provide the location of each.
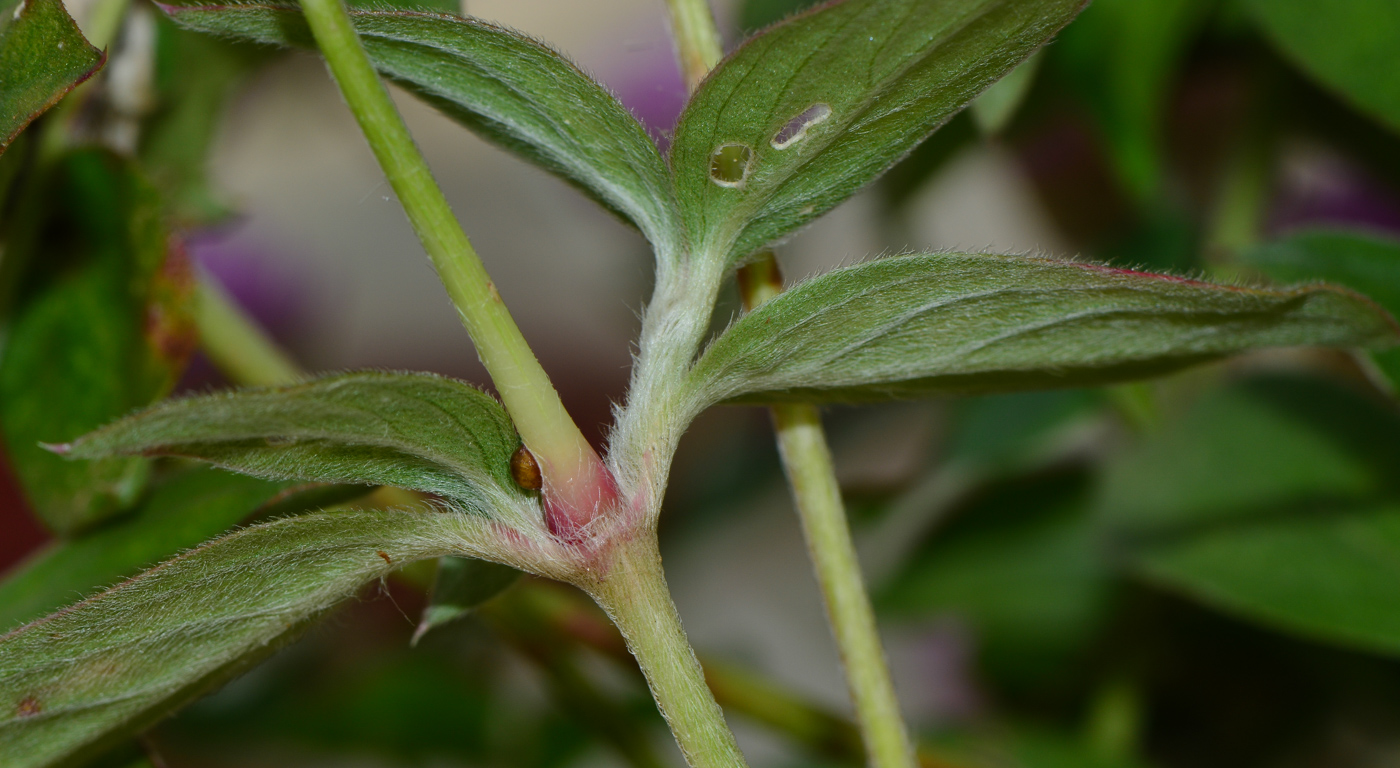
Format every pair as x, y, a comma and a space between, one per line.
61, 449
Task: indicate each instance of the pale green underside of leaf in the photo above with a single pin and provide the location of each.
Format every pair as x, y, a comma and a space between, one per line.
922, 324
509, 88
460, 585
410, 430
1334, 577
1347, 46
112, 665
42, 57
890, 71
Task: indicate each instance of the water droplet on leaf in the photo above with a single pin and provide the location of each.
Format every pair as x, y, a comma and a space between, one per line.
730, 165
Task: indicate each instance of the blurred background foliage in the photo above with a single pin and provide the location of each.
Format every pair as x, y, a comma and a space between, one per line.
1198, 571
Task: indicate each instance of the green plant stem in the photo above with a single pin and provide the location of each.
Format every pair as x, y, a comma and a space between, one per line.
807, 460
697, 39
631, 588
233, 340
569, 463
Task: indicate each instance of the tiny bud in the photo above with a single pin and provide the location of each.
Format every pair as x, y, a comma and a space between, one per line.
525, 470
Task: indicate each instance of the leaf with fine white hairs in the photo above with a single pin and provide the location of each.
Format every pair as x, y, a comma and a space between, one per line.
923, 324
111, 666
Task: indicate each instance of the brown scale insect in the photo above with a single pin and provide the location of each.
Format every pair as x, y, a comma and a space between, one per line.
525, 470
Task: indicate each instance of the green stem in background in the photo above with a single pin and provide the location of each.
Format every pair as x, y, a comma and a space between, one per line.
239, 348
807, 460
631, 588
576, 482
697, 39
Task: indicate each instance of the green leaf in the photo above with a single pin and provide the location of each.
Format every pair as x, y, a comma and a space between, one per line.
1369, 263
42, 57
757, 14
116, 663
1349, 47
997, 105
410, 430
920, 324
1123, 57
510, 89
811, 110
194, 79
459, 586
1334, 577
190, 508
1268, 446
101, 326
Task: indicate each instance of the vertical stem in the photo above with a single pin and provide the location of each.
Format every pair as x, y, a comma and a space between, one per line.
807, 460
697, 39
571, 467
235, 343
632, 590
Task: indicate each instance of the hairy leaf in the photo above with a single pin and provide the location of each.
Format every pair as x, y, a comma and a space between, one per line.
114, 664
510, 89
1335, 577
410, 430
811, 110
459, 586
1347, 46
42, 57
997, 105
101, 326
922, 324
1369, 263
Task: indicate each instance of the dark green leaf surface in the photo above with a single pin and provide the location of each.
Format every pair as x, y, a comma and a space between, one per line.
829, 99
42, 57
181, 513
507, 87
1334, 577
1123, 56
1369, 263
1269, 446
114, 664
1347, 46
460, 585
101, 327
921, 324
410, 430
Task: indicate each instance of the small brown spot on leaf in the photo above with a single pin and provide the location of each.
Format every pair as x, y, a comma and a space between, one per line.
385, 555
28, 707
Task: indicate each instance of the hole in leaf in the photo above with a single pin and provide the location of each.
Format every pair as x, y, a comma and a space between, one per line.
729, 165
796, 128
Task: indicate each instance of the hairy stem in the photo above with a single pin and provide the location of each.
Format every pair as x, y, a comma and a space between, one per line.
572, 470
697, 39
235, 342
632, 590
807, 460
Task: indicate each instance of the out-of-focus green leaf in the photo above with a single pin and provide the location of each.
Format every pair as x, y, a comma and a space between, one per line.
101, 326
410, 430
1331, 576
461, 584
921, 324
999, 430
1022, 565
1369, 263
195, 75
1122, 56
179, 513
814, 108
757, 14
997, 105
116, 663
1348, 46
42, 57
509, 88
1270, 445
